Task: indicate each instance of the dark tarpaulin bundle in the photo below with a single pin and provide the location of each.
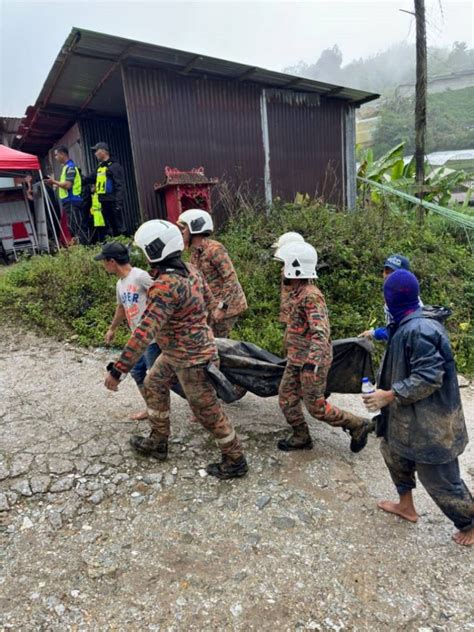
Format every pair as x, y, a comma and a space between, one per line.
251, 368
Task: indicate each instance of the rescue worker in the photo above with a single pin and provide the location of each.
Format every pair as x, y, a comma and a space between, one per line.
110, 187
69, 188
422, 421
309, 352
212, 259
131, 290
285, 302
176, 318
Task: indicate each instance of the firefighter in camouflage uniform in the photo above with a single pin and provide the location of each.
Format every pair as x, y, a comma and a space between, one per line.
212, 259
176, 318
309, 351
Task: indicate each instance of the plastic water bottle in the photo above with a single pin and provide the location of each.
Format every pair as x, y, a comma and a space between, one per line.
367, 386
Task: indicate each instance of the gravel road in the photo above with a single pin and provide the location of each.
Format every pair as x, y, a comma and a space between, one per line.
94, 537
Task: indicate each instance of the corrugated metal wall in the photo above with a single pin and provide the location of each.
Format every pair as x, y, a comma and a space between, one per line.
306, 145
185, 122
113, 131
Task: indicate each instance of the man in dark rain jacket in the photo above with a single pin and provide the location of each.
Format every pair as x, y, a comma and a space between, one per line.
422, 421
109, 183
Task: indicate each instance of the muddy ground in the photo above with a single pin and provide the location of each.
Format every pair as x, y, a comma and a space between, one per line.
95, 537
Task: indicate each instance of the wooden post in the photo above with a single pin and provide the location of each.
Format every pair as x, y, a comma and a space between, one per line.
420, 100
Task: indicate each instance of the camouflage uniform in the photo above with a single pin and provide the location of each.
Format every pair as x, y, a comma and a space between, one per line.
309, 343
212, 259
176, 318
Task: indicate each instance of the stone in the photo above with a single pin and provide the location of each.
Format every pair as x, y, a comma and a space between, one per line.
26, 524
169, 480
62, 484
254, 539
55, 520
284, 522
101, 565
60, 466
186, 538
120, 477
4, 506
94, 469
20, 464
40, 484
97, 497
263, 501
202, 473
4, 470
22, 487
153, 478
112, 459
236, 610
82, 491
94, 448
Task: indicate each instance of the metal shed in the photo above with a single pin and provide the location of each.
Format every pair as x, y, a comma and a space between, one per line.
156, 106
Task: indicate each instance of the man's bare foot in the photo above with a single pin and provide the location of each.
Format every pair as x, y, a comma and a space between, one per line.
399, 509
466, 538
139, 416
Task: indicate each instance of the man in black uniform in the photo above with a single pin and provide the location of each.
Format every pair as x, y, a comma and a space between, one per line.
109, 185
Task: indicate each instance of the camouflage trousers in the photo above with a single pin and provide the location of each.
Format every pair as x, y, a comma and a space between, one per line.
201, 397
299, 386
222, 328
442, 481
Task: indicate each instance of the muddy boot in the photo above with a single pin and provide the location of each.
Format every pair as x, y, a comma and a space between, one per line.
359, 436
299, 440
228, 468
154, 446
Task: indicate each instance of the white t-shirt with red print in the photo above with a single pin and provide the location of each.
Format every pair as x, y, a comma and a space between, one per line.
132, 295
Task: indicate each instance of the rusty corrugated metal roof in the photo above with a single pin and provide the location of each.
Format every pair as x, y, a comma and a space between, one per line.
86, 76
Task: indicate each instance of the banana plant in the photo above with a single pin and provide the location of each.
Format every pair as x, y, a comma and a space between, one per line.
391, 169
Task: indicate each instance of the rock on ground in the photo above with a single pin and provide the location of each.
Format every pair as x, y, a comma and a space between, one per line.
94, 537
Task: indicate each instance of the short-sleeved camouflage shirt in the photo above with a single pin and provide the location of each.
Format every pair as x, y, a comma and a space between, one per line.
176, 318
213, 260
308, 334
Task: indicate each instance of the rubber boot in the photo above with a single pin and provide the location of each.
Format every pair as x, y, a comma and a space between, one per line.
299, 440
359, 435
154, 446
228, 468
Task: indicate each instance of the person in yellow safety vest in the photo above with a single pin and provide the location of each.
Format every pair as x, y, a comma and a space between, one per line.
69, 188
109, 184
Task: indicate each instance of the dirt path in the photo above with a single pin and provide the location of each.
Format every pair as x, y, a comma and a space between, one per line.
95, 538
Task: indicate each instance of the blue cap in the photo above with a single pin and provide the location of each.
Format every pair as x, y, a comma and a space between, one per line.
397, 262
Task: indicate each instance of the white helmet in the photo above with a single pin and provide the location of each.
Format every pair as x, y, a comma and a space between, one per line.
300, 259
197, 220
287, 238
159, 239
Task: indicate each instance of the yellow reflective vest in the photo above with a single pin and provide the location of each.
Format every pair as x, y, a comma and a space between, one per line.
74, 193
96, 211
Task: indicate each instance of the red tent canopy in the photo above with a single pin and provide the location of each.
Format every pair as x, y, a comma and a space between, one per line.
13, 160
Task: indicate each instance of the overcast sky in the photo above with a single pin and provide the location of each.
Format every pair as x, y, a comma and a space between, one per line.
268, 34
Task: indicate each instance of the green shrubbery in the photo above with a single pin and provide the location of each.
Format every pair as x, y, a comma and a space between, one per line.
71, 294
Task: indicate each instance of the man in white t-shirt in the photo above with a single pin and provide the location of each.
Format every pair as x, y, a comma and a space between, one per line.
132, 288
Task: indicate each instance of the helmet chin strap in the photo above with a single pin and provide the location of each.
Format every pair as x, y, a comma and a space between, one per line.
171, 265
